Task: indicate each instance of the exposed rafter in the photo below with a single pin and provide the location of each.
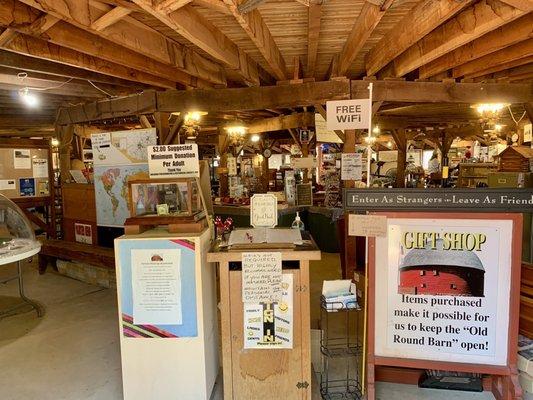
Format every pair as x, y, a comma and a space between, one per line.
517, 52
258, 32
110, 18
127, 33
498, 39
192, 26
509, 75
425, 16
524, 5
470, 24
40, 48
363, 27
313, 33
20, 62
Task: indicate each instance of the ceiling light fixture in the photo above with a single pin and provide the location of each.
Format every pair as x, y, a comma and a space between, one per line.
255, 138
28, 98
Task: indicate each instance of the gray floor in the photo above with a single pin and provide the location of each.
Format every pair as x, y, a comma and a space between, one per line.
73, 351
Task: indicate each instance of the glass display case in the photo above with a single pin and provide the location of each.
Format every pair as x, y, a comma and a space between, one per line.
175, 203
164, 197
17, 236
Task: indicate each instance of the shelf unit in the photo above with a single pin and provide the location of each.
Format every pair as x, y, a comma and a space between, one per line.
472, 174
342, 347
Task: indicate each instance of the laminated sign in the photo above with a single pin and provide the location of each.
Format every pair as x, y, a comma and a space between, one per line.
348, 114
442, 290
174, 161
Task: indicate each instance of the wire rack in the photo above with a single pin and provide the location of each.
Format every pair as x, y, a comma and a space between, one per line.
341, 346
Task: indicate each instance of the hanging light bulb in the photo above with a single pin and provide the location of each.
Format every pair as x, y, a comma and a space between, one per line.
376, 130
28, 98
255, 138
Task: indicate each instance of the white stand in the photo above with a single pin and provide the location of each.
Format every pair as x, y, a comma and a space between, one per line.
165, 368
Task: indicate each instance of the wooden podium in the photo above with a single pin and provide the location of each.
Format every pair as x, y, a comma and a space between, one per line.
265, 373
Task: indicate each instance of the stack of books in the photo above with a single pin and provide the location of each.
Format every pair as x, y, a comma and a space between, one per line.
525, 365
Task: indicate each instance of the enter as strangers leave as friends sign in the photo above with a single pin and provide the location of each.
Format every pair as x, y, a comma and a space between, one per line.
348, 114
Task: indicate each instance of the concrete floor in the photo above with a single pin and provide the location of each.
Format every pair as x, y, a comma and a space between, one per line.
72, 352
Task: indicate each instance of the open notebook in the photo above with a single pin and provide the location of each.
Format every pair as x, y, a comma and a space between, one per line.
264, 235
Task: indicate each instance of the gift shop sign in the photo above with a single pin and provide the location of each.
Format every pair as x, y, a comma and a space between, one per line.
173, 161
348, 114
442, 289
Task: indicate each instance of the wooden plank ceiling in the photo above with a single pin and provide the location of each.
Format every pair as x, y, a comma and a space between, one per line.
81, 50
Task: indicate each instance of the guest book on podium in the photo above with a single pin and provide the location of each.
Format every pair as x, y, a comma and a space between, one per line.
264, 238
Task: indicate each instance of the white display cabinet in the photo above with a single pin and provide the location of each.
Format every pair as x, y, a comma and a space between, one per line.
167, 316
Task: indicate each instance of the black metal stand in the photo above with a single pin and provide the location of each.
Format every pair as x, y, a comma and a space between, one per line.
341, 346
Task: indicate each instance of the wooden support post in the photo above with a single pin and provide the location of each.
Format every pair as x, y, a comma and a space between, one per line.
265, 174
173, 137
350, 264
145, 123
401, 143
65, 135
162, 126
222, 151
529, 111
305, 153
52, 188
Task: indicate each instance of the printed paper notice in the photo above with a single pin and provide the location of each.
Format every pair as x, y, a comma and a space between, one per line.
261, 277
8, 184
21, 159
156, 287
40, 167
351, 166
367, 225
174, 161
270, 325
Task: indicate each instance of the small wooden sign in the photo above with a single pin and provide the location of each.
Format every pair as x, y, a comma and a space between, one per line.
304, 194
367, 225
263, 211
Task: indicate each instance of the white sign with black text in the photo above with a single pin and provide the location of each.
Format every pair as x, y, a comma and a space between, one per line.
442, 290
261, 277
174, 161
348, 114
263, 211
351, 166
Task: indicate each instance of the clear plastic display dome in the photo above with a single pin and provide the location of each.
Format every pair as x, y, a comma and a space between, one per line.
16, 232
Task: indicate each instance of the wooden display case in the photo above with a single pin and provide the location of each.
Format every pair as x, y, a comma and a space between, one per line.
264, 374
472, 174
180, 199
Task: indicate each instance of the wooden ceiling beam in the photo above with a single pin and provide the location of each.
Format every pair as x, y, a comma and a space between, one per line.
129, 36
167, 6
282, 122
220, 100
470, 24
190, 24
364, 25
509, 75
517, 52
67, 35
22, 63
42, 49
297, 95
524, 5
215, 5
110, 18
9, 81
314, 16
6, 36
423, 18
442, 92
256, 29
498, 39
